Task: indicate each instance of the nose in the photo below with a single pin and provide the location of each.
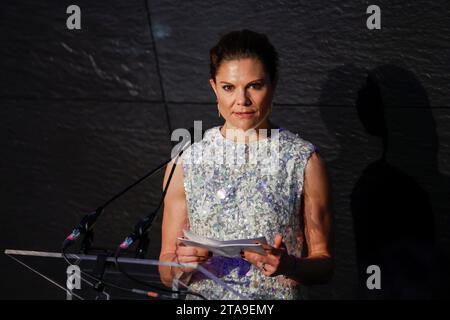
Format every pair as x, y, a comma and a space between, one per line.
242, 98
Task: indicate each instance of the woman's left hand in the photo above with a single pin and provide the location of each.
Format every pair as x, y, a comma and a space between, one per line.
276, 262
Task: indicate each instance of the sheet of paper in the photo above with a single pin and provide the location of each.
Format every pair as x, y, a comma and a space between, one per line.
228, 248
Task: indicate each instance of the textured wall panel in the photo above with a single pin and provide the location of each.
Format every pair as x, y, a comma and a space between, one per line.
111, 57
65, 159
311, 37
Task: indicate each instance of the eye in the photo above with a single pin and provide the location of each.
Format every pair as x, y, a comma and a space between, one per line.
227, 87
257, 86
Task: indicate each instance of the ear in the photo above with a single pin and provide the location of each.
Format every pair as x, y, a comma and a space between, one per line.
213, 85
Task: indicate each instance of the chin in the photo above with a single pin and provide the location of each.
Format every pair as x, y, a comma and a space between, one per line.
245, 124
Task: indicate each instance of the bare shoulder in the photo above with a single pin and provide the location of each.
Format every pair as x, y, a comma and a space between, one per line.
316, 176
315, 163
176, 184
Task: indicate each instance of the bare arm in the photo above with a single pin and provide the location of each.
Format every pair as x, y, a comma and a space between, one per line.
175, 219
318, 266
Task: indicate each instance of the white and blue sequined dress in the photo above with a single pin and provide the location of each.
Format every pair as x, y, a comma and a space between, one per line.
229, 200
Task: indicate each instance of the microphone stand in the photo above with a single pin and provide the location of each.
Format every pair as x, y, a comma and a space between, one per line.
85, 228
87, 223
140, 233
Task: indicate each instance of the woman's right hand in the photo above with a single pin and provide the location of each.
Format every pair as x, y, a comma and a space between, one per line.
189, 254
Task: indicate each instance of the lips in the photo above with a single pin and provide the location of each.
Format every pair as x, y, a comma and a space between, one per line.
245, 114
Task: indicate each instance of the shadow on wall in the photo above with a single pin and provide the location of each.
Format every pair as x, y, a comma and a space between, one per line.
397, 203
344, 162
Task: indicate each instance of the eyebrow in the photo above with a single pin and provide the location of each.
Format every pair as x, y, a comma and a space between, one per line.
261, 79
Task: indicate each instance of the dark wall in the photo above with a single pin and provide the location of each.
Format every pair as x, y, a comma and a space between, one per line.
85, 112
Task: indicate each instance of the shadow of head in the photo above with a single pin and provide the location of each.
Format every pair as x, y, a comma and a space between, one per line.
393, 105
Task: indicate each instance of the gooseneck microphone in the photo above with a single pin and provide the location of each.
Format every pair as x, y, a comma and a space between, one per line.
145, 223
85, 225
88, 221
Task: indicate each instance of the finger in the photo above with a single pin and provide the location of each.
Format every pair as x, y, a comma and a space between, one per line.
269, 270
266, 268
192, 266
269, 250
251, 256
243, 255
191, 251
195, 251
278, 241
186, 258
203, 252
185, 251
189, 259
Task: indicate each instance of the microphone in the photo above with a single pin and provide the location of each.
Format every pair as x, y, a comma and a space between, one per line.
86, 224
138, 231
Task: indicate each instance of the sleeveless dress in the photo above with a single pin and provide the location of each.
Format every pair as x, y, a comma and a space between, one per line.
236, 190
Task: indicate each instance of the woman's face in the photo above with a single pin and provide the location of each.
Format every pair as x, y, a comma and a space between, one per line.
244, 93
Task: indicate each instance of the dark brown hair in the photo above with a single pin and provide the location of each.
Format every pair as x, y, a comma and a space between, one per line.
244, 44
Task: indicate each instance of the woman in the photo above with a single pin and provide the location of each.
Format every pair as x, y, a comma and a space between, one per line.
290, 207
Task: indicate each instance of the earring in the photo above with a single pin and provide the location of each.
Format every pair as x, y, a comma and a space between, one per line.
218, 110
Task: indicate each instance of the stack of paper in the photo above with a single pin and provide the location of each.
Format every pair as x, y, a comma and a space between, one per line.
228, 248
